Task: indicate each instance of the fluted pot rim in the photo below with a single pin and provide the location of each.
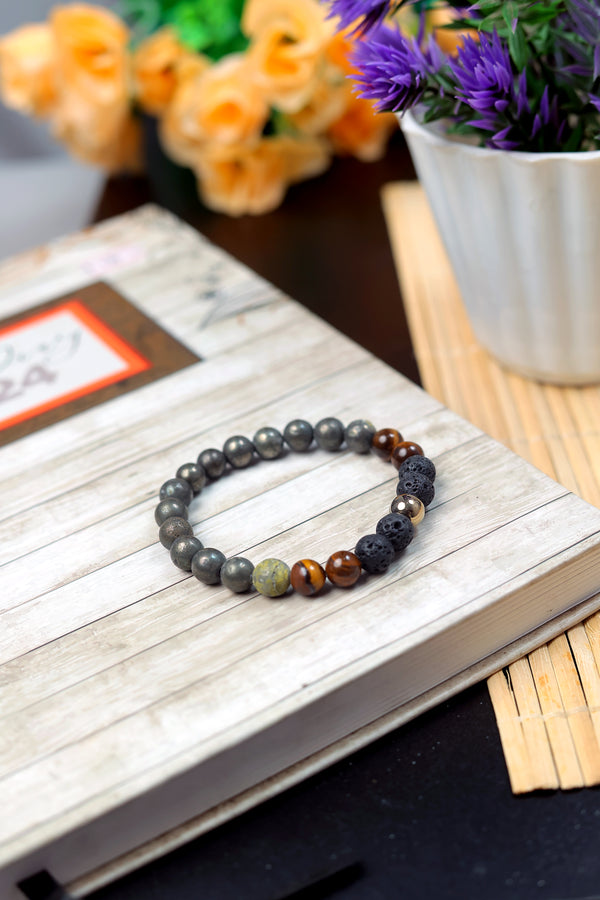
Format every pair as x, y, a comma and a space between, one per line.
435, 135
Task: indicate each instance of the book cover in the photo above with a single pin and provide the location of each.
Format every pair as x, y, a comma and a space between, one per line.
133, 698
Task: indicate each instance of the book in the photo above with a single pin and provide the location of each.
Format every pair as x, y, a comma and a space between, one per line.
140, 707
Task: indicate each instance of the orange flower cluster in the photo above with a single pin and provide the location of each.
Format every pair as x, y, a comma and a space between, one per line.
74, 71
78, 71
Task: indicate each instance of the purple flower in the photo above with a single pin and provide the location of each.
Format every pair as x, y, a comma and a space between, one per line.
394, 69
484, 75
369, 12
584, 19
532, 84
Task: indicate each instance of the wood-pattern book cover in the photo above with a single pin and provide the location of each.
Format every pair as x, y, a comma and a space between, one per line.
140, 706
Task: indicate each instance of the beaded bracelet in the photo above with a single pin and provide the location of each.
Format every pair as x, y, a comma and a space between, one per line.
272, 577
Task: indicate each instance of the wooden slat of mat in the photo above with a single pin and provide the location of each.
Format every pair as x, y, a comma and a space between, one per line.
547, 704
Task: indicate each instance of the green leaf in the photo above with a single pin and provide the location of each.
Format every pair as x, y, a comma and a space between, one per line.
518, 47
142, 16
574, 142
206, 26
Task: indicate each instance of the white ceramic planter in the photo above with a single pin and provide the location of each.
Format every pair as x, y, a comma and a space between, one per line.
522, 231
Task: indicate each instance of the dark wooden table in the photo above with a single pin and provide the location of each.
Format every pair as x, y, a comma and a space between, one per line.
425, 813
326, 246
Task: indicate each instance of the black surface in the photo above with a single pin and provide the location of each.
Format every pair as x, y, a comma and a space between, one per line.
427, 811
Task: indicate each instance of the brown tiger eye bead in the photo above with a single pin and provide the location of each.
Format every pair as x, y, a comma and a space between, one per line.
408, 505
343, 568
307, 577
403, 450
384, 442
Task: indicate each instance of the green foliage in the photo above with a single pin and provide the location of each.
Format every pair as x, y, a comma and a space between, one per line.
211, 27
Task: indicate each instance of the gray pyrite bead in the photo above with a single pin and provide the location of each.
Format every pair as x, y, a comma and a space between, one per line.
182, 550
298, 435
213, 462
359, 435
206, 565
177, 487
329, 433
194, 475
268, 443
236, 574
239, 451
170, 506
174, 528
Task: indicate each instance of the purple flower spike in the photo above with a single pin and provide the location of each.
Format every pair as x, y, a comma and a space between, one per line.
531, 84
523, 107
368, 12
394, 70
484, 77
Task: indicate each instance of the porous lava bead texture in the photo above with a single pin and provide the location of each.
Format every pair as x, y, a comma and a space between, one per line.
272, 577
418, 485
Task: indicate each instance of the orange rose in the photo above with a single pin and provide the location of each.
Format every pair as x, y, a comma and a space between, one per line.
329, 100
92, 48
287, 42
190, 65
27, 70
302, 157
222, 106
115, 148
339, 50
360, 131
241, 180
154, 68
93, 115
326, 104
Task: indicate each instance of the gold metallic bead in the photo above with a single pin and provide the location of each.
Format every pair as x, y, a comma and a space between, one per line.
408, 505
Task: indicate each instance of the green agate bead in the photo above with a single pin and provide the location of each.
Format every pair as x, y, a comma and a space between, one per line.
271, 577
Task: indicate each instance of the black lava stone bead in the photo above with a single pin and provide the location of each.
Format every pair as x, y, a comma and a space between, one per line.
375, 553
418, 485
399, 530
421, 464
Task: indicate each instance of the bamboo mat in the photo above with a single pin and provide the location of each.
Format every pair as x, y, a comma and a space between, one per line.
547, 704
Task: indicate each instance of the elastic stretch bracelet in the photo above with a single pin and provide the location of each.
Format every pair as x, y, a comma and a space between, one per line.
272, 577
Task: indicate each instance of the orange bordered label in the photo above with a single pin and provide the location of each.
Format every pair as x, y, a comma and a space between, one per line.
54, 357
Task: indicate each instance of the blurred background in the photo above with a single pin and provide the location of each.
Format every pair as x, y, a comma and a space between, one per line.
302, 245
45, 192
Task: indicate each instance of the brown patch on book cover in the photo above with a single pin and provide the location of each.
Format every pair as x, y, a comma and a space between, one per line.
163, 353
